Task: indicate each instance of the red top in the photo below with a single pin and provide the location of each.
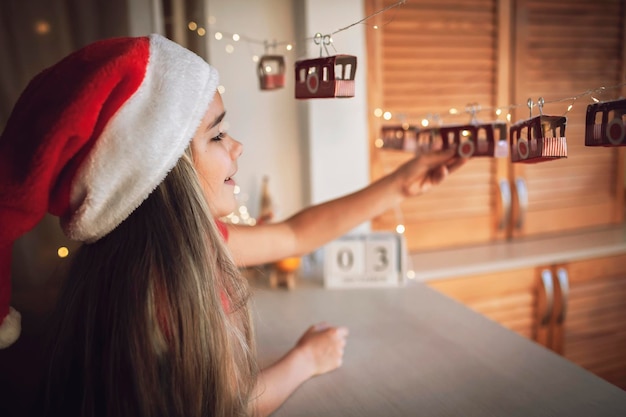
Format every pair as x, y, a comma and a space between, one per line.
222, 228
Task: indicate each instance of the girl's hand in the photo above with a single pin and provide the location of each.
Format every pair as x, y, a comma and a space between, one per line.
428, 169
322, 347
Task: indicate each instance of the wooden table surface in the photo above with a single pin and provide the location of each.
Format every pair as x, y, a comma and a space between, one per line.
414, 352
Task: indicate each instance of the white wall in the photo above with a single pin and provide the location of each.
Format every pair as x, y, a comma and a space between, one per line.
312, 150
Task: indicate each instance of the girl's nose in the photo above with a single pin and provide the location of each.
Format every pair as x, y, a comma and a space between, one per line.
236, 148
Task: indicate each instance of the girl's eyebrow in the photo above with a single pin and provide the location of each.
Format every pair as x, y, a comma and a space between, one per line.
217, 121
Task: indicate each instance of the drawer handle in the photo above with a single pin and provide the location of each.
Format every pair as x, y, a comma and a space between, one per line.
505, 198
548, 287
522, 201
563, 278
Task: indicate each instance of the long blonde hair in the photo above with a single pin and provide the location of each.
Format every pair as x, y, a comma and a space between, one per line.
154, 318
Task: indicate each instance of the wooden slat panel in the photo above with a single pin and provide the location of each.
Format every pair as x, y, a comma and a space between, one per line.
594, 331
430, 56
508, 298
567, 48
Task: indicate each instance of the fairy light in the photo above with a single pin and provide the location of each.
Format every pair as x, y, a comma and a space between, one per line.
42, 27
289, 46
192, 25
201, 31
425, 122
379, 143
410, 274
500, 110
221, 89
63, 252
229, 49
236, 188
378, 112
400, 229
387, 115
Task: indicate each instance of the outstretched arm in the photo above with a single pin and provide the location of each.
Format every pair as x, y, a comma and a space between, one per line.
316, 225
319, 350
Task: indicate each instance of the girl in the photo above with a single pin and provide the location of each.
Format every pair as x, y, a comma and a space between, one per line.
123, 141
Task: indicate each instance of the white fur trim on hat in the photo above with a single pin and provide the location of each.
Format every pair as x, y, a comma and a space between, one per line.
142, 142
10, 328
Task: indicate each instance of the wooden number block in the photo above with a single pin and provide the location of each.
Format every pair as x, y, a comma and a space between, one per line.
369, 260
381, 260
344, 260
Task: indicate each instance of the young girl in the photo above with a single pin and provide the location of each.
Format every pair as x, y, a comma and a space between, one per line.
123, 141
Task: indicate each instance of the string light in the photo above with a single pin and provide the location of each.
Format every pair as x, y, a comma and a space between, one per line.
63, 252
475, 108
219, 35
42, 27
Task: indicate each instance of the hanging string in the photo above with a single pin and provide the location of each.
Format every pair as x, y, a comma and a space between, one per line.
289, 44
396, 4
473, 108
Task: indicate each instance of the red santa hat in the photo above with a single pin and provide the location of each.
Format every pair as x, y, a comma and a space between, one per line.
91, 137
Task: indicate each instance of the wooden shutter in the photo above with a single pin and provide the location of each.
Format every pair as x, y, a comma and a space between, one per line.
565, 48
426, 58
430, 56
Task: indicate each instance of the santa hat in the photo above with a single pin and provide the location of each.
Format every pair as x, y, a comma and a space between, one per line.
91, 137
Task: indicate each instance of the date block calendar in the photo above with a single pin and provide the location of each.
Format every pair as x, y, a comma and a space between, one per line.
376, 259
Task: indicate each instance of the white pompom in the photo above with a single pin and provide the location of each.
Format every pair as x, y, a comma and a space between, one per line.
10, 328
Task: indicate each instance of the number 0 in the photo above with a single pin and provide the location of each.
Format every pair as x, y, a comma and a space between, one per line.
345, 259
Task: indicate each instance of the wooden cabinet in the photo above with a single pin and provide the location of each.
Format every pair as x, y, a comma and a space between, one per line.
431, 58
576, 309
589, 325
513, 298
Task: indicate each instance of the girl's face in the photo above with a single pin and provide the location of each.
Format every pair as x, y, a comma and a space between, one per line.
215, 158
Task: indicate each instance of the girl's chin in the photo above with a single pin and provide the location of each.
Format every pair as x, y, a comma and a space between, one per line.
225, 209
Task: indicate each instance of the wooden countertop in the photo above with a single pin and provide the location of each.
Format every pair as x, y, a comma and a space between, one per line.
519, 253
414, 352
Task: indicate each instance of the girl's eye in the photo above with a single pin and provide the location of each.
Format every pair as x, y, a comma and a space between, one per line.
220, 136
